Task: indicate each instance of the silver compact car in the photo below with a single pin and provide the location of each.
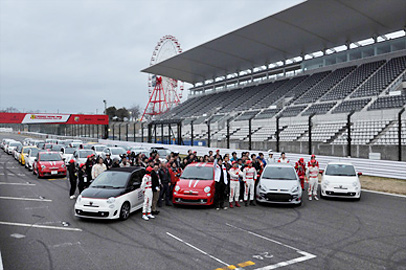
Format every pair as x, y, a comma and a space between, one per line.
279, 184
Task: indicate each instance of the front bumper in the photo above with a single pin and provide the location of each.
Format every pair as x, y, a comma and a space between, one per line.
98, 209
330, 191
47, 172
279, 198
192, 199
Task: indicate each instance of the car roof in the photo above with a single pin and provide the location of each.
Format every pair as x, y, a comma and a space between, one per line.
130, 169
288, 165
201, 164
340, 163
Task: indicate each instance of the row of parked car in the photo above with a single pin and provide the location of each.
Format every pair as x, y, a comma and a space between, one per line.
116, 193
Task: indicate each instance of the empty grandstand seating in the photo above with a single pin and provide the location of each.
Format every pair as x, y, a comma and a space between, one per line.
363, 132
330, 81
293, 111
351, 105
324, 132
382, 78
389, 102
391, 137
319, 108
247, 115
293, 132
352, 81
267, 114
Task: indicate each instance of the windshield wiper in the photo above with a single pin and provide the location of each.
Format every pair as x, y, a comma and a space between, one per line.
194, 178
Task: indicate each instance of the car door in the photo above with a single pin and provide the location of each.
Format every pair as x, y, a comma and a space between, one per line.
136, 179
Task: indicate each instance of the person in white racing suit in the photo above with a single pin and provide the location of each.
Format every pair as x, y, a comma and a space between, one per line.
235, 174
313, 176
270, 159
146, 186
249, 177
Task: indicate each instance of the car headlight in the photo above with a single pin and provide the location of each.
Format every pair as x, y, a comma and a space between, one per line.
326, 182
79, 198
207, 189
111, 200
262, 188
177, 188
42, 166
355, 183
63, 166
295, 189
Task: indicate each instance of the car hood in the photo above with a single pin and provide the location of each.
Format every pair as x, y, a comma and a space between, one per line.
278, 184
51, 163
340, 179
102, 193
194, 184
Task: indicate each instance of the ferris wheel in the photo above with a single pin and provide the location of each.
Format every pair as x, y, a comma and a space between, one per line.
164, 93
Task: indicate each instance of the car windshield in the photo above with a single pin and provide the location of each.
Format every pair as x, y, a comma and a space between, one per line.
34, 152
340, 170
110, 179
15, 144
198, 173
117, 151
100, 148
50, 157
85, 153
163, 152
69, 150
279, 173
25, 150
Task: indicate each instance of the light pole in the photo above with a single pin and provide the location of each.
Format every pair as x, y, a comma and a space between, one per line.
105, 106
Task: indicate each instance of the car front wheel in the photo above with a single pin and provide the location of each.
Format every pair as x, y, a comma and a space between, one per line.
125, 211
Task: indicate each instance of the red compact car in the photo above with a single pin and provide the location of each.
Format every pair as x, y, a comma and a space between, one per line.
49, 164
195, 185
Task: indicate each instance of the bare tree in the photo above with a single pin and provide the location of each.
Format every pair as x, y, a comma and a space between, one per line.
135, 111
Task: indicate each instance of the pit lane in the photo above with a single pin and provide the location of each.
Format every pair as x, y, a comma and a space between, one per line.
328, 234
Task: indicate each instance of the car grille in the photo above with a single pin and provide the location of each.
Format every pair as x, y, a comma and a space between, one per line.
92, 214
346, 194
278, 197
197, 201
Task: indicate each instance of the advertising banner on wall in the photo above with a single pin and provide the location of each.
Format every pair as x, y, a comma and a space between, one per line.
54, 118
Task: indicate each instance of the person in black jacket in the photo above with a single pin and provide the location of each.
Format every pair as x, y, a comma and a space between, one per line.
156, 187
72, 179
108, 161
165, 177
82, 177
89, 166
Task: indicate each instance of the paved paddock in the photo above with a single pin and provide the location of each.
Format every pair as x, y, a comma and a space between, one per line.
38, 231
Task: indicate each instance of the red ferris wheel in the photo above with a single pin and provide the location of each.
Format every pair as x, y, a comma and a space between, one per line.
164, 93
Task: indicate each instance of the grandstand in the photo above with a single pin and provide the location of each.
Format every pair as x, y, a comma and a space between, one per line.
270, 106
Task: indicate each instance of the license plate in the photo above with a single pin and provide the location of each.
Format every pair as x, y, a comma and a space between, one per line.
54, 172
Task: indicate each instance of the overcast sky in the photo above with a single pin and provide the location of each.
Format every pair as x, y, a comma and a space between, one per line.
68, 55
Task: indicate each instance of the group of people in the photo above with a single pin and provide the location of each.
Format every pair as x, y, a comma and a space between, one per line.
235, 176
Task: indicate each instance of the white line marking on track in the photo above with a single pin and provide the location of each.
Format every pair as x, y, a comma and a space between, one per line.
40, 226
66, 244
25, 199
306, 256
198, 249
384, 193
17, 184
1, 263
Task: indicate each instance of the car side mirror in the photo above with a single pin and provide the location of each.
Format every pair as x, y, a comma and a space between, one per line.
35, 160
359, 173
321, 171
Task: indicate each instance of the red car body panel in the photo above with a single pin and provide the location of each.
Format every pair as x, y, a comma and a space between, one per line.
192, 192
49, 168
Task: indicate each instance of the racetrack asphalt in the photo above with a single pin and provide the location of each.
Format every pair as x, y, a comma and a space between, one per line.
325, 234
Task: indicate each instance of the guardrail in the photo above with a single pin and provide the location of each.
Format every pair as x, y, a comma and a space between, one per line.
380, 168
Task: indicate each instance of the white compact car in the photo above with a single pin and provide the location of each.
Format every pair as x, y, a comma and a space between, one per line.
12, 146
280, 184
340, 179
67, 153
30, 158
113, 194
115, 152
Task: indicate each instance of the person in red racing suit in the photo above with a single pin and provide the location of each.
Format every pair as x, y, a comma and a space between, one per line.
300, 168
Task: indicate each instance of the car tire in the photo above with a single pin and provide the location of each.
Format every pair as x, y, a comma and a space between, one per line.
38, 176
33, 171
321, 195
125, 211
